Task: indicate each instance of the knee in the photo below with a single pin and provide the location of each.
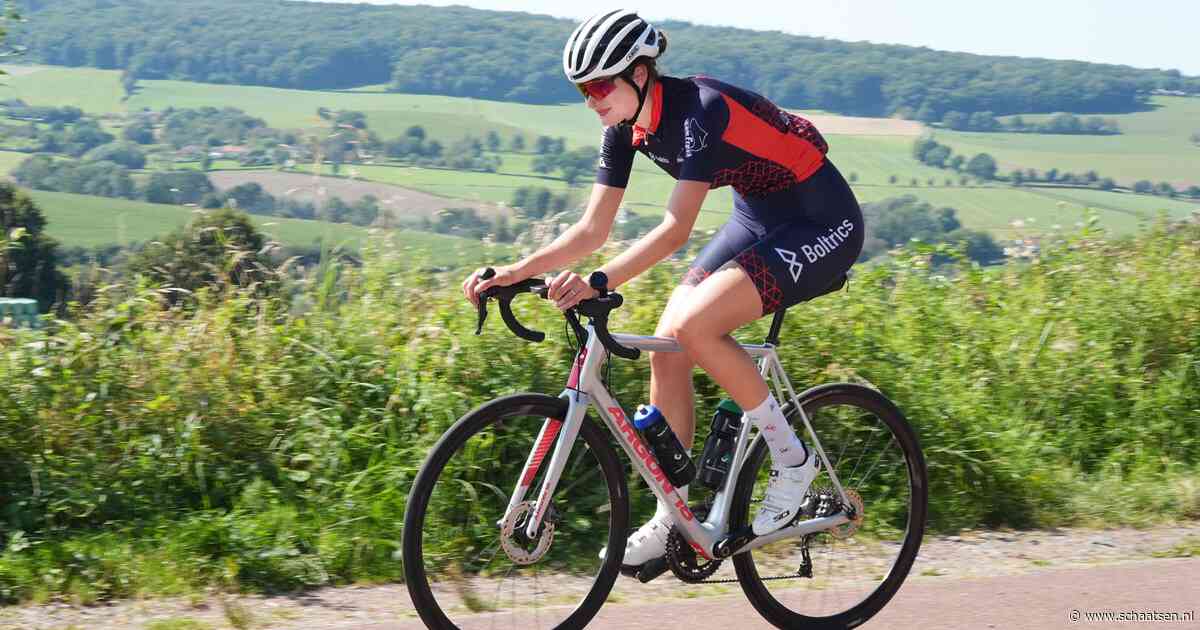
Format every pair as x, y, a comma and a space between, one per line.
670, 362
692, 329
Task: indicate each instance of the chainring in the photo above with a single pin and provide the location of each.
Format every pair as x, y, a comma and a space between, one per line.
683, 561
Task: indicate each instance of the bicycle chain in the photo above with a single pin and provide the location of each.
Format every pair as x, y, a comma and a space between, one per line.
825, 507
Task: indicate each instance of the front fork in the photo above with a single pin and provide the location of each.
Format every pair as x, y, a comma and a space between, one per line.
565, 430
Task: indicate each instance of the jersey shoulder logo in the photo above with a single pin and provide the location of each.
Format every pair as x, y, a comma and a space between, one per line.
695, 138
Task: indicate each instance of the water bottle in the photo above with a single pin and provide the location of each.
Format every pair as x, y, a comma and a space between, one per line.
671, 456
718, 448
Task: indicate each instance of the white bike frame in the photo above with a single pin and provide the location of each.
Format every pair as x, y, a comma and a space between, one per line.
586, 388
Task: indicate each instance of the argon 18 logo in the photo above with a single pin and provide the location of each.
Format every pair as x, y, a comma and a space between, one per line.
647, 458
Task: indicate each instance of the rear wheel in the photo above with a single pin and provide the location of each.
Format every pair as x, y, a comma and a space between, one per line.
839, 578
463, 570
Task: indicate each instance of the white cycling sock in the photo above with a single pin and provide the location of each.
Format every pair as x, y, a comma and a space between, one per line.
663, 512
787, 449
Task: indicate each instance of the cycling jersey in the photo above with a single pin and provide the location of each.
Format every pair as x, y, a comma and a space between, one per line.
796, 227
705, 130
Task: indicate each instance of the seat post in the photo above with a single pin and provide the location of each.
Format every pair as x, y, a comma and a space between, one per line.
776, 325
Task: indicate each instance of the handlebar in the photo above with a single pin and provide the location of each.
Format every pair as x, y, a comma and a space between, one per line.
597, 309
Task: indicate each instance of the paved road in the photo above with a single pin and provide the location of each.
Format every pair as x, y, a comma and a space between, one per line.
1035, 601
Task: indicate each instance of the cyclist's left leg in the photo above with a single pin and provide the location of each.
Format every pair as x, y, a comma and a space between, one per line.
793, 263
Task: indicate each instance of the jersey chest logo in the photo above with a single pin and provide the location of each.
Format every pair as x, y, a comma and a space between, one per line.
695, 138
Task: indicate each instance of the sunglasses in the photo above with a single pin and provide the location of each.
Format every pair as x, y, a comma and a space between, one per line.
598, 89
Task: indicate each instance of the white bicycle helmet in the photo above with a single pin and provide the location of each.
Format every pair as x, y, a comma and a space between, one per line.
607, 44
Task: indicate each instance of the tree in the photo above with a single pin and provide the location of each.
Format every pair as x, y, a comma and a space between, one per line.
1017, 177
892, 179
956, 162
922, 146
982, 166
1106, 184
937, 156
956, 120
983, 121
1165, 189
128, 83
1051, 175
1193, 192
493, 140
218, 247
415, 131
1196, 138
1143, 186
28, 257
141, 132
518, 143
125, 154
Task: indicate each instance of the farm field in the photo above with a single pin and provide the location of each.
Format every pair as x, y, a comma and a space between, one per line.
87, 221
1153, 145
388, 114
406, 202
995, 208
9, 160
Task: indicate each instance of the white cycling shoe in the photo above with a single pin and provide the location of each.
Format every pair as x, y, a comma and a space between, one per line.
647, 543
785, 493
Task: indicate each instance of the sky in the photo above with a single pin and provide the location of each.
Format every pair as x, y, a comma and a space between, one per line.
1144, 34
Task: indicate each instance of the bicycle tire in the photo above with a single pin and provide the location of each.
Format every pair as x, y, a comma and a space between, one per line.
474, 422
752, 583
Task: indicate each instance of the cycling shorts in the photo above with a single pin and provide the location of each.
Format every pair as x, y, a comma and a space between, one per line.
794, 247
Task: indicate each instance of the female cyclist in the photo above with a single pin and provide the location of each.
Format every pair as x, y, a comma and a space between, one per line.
796, 229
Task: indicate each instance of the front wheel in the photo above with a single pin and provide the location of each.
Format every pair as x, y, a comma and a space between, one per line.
839, 578
466, 566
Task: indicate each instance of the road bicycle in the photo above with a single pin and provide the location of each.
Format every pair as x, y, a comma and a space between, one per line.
483, 549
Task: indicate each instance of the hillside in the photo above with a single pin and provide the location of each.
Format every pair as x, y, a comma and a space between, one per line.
458, 51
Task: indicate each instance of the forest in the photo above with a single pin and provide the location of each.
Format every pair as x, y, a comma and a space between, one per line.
458, 51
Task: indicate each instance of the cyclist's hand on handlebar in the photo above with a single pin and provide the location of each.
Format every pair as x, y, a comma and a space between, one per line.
475, 284
568, 289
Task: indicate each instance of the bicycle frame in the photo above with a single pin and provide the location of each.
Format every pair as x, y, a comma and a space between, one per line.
585, 388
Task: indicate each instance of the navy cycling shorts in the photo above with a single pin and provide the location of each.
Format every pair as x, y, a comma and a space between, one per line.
794, 247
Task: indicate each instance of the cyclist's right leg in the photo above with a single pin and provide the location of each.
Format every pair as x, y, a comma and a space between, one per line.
671, 391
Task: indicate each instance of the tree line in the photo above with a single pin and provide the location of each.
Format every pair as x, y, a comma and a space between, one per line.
466, 52
983, 166
1060, 123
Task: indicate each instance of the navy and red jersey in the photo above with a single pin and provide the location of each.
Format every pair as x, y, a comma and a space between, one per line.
704, 130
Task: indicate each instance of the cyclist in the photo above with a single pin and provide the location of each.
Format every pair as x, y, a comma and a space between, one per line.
796, 229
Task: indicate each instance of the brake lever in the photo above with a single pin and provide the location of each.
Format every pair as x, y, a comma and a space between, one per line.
481, 305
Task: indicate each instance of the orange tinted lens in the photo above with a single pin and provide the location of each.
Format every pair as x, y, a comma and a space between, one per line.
598, 89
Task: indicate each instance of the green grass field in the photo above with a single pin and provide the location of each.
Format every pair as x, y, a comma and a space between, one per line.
83, 220
1153, 145
9, 160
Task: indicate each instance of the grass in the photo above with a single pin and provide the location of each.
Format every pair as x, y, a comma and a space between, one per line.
158, 450
1153, 145
88, 221
10, 160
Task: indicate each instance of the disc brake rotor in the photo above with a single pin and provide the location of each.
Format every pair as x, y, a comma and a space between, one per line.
514, 542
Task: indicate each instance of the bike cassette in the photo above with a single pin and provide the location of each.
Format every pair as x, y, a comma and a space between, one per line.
519, 548
683, 561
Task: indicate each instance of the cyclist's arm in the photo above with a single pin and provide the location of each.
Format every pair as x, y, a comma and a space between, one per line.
579, 240
664, 239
